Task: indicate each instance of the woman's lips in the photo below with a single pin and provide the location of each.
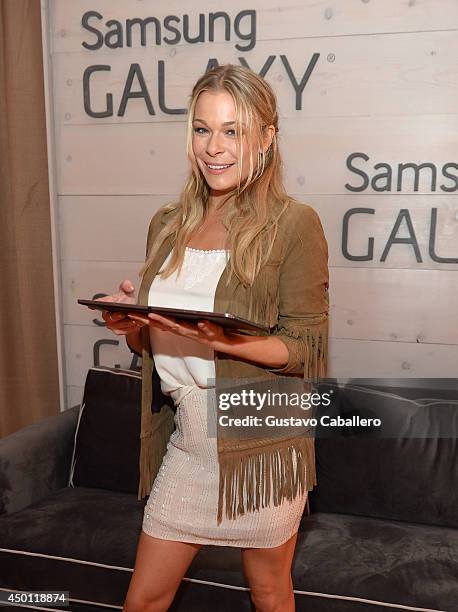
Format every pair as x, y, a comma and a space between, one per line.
217, 168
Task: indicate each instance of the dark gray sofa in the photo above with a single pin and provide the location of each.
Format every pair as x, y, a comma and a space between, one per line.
382, 533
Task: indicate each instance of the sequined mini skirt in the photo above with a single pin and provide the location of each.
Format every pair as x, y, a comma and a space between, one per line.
183, 502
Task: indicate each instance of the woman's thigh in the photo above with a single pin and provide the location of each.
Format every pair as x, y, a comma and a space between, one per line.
269, 569
159, 567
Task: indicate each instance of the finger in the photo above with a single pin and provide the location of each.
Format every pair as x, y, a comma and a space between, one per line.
117, 316
126, 286
126, 327
139, 318
109, 298
126, 323
167, 322
185, 328
207, 327
112, 317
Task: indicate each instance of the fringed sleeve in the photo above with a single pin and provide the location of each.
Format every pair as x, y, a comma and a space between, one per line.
257, 473
303, 299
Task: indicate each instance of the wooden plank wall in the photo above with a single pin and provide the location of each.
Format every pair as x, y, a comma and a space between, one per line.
382, 90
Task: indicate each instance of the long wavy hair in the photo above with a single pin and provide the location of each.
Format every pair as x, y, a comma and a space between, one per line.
255, 204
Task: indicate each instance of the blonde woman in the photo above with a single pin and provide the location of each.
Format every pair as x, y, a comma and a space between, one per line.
234, 242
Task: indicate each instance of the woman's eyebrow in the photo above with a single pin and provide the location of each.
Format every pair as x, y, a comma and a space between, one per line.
225, 123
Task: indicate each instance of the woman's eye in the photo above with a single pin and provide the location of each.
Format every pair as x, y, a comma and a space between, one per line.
202, 130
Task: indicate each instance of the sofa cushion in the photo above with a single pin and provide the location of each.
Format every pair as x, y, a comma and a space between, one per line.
78, 539
87, 538
107, 441
408, 472
394, 562
349, 563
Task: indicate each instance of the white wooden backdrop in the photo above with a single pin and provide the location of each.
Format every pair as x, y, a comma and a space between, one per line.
385, 85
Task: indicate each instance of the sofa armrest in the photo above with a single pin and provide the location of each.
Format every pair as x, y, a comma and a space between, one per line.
35, 460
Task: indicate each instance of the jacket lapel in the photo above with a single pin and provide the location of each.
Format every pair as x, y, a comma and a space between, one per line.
223, 293
153, 269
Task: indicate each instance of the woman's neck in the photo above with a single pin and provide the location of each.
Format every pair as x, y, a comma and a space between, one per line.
216, 203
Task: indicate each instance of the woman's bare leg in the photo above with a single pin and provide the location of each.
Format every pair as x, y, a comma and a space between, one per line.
268, 571
159, 567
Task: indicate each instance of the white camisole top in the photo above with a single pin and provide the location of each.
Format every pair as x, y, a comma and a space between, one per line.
183, 363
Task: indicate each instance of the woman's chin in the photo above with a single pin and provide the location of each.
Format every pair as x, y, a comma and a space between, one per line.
216, 190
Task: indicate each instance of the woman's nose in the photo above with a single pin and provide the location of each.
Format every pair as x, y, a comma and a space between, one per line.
214, 145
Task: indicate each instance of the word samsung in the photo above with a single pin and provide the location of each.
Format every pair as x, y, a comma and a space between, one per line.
171, 31
422, 242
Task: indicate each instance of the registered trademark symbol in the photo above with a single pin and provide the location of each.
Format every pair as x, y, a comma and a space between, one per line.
331, 57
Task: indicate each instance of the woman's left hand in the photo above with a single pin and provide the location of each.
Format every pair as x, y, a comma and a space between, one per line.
204, 331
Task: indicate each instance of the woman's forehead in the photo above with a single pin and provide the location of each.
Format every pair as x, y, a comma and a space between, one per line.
217, 107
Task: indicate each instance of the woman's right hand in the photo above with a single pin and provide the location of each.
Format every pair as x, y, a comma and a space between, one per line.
119, 322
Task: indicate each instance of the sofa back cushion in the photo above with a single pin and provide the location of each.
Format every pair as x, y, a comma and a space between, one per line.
107, 441
408, 471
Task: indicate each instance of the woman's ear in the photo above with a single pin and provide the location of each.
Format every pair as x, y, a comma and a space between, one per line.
269, 136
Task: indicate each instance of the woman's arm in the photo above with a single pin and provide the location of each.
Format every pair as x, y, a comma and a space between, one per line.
304, 299
298, 344
134, 342
268, 351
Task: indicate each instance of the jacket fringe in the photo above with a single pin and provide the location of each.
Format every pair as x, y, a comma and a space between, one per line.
315, 340
153, 446
251, 479
156, 427
265, 310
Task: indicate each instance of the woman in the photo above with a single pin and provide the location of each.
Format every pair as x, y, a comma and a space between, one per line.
234, 242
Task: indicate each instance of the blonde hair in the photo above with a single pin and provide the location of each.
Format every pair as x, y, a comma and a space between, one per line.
251, 217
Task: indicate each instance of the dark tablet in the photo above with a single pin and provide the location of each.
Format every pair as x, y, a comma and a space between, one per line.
225, 319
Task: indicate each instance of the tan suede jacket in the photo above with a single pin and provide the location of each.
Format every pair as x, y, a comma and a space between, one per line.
290, 294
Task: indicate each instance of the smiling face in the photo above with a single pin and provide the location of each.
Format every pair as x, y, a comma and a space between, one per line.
214, 142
